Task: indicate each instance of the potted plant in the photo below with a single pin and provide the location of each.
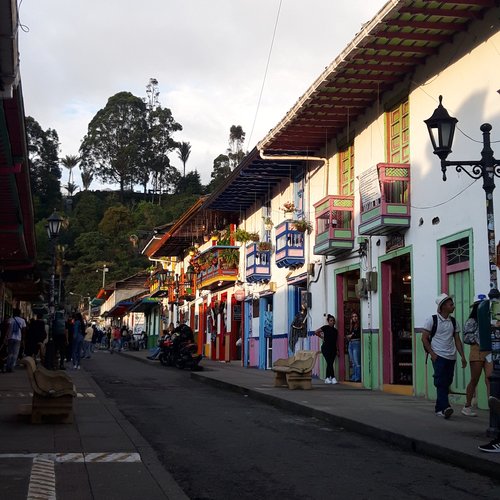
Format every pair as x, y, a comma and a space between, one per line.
215, 234
268, 223
241, 235
230, 257
303, 225
288, 208
264, 246
254, 237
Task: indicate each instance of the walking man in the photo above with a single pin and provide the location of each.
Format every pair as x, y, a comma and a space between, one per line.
441, 340
16, 329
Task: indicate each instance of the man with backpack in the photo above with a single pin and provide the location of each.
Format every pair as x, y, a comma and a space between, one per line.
441, 339
16, 330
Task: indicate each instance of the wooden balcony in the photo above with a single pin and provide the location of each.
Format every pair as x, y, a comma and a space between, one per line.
334, 216
258, 264
160, 283
389, 212
218, 266
289, 245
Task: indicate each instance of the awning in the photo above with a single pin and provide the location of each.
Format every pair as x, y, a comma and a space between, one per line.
120, 309
144, 305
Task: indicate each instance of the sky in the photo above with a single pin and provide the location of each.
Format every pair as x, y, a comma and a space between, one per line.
218, 62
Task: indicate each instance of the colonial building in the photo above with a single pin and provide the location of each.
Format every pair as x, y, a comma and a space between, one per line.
348, 205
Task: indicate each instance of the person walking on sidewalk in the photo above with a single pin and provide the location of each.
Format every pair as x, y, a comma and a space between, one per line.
329, 334
478, 360
87, 341
354, 347
77, 340
441, 339
16, 327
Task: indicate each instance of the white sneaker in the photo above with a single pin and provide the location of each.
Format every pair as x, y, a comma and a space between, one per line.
328, 380
468, 412
334, 380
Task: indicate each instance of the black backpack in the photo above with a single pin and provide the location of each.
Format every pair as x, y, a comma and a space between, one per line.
433, 331
58, 325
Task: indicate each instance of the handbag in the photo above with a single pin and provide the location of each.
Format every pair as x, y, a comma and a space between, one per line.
471, 336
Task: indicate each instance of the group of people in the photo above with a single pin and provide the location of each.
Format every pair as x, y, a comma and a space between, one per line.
441, 340
72, 339
329, 334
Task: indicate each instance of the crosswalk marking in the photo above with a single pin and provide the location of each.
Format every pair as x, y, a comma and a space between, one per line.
30, 394
42, 485
110, 457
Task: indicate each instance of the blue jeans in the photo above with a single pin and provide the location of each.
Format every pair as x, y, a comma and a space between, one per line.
77, 350
12, 353
444, 370
355, 357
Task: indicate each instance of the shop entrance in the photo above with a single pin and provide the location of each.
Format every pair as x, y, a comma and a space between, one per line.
397, 323
347, 304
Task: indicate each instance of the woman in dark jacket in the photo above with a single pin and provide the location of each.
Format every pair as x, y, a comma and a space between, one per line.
329, 335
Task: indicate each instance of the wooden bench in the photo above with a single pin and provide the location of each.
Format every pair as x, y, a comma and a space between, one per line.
295, 372
53, 393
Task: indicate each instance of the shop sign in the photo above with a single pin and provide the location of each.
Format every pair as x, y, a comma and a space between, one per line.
394, 241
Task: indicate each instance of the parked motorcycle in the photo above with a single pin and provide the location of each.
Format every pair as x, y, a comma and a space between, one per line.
180, 350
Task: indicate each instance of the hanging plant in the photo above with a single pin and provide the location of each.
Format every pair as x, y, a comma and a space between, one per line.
254, 237
264, 246
288, 207
303, 225
241, 235
268, 223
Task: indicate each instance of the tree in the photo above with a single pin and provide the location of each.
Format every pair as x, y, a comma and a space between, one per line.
70, 162
184, 150
71, 187
45, 174
190, 184
87, 178
236, 141
220, 172
116, 141
116, 220
161, 126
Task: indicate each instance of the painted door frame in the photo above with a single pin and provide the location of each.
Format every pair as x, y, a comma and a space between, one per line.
339, 313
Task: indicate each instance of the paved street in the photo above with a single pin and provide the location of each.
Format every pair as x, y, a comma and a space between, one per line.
146, 431
214, 441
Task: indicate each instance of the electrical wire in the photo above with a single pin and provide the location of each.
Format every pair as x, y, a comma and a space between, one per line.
265, 72
447, 201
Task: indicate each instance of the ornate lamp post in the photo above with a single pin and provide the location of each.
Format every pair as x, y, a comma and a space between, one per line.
53, 227
441, 127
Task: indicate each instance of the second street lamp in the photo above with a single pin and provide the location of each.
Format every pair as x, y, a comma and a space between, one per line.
441, 127
53, 227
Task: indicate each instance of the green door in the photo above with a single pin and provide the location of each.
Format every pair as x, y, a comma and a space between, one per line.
459, 288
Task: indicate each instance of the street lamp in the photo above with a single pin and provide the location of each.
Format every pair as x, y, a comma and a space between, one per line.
441, 127
104, 271
53, 227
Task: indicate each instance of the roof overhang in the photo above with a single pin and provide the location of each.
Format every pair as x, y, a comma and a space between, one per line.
384, 53
17, 234
251, 181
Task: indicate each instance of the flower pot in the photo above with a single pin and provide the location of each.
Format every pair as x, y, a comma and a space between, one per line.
268, 227
288, 215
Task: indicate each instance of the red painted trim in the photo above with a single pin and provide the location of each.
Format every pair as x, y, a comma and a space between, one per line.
340, 326
386, 323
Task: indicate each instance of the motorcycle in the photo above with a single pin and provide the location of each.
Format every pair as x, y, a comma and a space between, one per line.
179, 350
